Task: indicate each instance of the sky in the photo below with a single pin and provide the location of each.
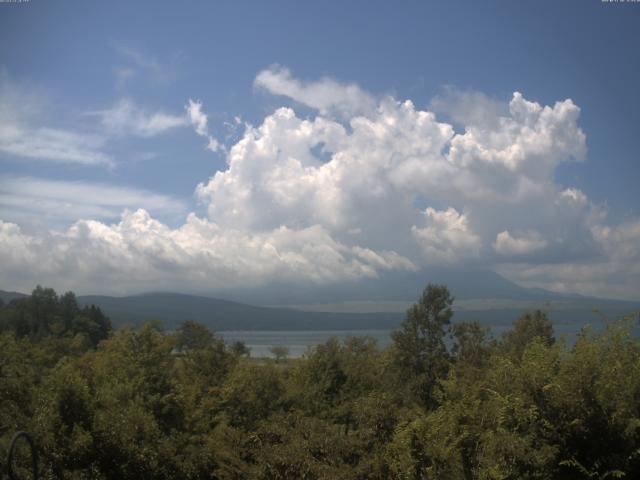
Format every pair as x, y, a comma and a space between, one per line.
193, 145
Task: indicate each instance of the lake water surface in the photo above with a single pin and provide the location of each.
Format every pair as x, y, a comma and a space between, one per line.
260, 341
298, 341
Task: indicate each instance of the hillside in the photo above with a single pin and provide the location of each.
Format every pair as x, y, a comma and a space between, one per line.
173, 308
378, 303
464, 283
8, 296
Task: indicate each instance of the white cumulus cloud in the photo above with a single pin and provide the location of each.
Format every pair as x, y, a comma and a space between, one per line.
141, 253
360, 187
447, 238
522, 244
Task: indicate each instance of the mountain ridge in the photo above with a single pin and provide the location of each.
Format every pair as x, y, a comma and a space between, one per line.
481, 294
172, 308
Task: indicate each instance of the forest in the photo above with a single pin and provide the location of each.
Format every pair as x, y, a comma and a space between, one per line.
445, 400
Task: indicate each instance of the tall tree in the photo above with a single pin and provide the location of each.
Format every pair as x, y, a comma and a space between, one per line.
419, 348
68, 309
194, 336
527, 327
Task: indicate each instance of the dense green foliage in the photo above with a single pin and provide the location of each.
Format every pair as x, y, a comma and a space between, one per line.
45, 314
444, 401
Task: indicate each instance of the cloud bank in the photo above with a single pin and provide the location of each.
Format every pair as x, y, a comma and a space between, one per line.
364, 185
140, 253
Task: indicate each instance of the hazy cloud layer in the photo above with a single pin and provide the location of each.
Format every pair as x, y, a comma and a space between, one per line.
23, 135
140, 65
615, 272
37, 201
47, 144
326, 95
125, 118
363, 186
200, 123
26, 130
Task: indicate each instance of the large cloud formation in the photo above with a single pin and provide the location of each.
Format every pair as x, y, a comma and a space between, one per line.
362, 186
141, 253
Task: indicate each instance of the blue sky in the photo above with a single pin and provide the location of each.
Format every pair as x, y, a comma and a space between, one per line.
99, 74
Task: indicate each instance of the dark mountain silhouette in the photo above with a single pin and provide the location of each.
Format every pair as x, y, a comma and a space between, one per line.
465, 283
6, 297
243, 314
174, 308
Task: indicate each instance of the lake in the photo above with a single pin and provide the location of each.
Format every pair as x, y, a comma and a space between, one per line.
298, 341
260, 341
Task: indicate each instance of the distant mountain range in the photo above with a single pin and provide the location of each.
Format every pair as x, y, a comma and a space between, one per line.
464, 283
6, 297
480, 294
173, 308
